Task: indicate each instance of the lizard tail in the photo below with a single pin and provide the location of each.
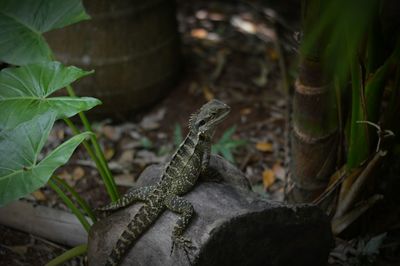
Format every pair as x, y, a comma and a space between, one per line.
135, 229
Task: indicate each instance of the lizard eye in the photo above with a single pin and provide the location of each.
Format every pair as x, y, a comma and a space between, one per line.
202, 122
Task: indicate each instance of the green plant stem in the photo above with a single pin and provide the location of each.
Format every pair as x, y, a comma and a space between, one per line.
67, 255
82, 203
375, 48
70, 205
376, 84
97, 156
338, 94
99, 153
96, 160
358, 145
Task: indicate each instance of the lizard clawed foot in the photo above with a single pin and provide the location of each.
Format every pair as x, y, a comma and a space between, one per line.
182, 243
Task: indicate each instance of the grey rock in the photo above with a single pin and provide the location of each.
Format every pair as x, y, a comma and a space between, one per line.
232, 226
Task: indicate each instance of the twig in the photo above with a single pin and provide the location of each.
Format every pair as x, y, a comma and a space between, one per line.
328, 191
47, 242
245, 161
333, 185
221, 62
381, 133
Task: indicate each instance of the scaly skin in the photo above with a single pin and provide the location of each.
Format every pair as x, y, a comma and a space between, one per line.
179, 176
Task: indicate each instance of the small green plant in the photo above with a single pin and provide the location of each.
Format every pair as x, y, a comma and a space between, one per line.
146, 143
178, 136
28, 110
224, 146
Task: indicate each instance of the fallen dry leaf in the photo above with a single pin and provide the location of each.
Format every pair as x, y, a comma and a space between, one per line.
262, 79
214, 37
201, 14
126, 180
279, 171
151, 121
266, 33
109, 153
60, 134
38, 195
273, 54
65, 175
199, 33
208, 95
264, 146
20, 250
243, 25
268, 178
245, 111
110, 132
126, 156
78, 173
215, 16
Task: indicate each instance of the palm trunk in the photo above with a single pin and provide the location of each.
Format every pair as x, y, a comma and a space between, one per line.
314, 137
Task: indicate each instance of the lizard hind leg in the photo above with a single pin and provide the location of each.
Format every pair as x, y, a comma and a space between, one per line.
185, 211
133, 195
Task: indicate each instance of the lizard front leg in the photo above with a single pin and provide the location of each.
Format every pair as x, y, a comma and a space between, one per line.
206, 156
133, 195
208, 174
185, 210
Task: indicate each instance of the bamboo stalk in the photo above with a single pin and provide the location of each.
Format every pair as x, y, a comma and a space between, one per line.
314, 133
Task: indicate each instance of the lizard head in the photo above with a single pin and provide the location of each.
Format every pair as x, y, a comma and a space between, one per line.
209, 115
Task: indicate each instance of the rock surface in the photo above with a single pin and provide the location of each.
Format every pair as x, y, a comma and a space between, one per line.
232, 226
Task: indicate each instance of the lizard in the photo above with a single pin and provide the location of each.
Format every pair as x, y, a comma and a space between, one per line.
178, 177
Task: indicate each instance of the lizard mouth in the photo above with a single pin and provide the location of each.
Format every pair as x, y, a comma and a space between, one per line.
221, 117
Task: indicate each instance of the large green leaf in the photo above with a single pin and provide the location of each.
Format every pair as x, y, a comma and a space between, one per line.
24, 92
20, 171
22, 23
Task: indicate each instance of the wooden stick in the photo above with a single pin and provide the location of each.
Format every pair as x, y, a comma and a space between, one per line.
55, 225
